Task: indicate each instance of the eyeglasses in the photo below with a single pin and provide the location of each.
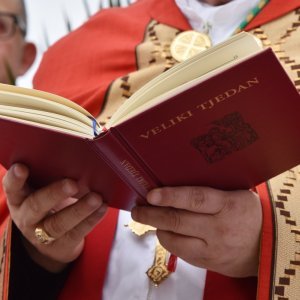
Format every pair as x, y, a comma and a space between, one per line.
9, 23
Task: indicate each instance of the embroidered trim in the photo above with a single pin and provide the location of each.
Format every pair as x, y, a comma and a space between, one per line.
280, 45
5, 247
285, 193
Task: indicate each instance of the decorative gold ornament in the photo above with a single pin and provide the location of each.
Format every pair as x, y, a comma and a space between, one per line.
42, 236
189, 43
159, 271
139, 228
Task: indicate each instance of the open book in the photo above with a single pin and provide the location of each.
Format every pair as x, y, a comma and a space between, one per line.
226, 118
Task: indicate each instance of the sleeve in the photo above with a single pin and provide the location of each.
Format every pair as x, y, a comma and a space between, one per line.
20, 277
27, 280
280, 240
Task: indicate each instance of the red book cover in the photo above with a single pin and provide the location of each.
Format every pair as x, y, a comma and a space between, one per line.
231, 131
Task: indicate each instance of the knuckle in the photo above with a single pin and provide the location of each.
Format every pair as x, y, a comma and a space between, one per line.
5, 184
23, 224
77, 212
73, 235
175, 220
196, 198
91, 222
230, 203
51, 193
54, 193
33, 203
54, 226
170, 195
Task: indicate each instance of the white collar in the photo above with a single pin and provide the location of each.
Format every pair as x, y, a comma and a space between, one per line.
220, 21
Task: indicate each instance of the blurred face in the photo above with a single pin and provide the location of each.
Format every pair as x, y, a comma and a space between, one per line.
12, 47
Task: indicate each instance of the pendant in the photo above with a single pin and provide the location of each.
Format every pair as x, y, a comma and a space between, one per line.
189, 43
139, 228
159, 270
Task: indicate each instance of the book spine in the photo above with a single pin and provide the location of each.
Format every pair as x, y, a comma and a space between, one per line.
122, 159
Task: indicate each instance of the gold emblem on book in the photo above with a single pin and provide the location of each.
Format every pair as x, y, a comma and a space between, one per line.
189, 43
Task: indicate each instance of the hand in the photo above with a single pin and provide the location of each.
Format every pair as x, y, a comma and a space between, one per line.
66, 219
209, 228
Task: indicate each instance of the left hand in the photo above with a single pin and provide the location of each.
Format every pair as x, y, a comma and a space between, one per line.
209, 228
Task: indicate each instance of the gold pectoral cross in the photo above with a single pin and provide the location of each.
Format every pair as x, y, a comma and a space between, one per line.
158, 272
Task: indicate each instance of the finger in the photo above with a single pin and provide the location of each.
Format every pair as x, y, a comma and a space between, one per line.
193, 250
14, 184
196, 199
209, 256
178, 221
38, 204
65, 220
86, 226
71, 244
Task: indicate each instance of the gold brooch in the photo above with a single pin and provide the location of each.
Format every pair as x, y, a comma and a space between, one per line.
189, 43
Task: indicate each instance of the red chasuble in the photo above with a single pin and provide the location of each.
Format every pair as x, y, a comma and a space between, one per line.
82, 67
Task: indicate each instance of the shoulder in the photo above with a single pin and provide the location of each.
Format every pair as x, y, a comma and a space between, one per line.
98, 49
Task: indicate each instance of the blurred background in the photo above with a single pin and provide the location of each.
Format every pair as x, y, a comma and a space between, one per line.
49, 20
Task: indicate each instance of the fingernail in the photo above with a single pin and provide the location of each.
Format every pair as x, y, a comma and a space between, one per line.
102, 210
154, 197
17, 171
94, 201
69, 188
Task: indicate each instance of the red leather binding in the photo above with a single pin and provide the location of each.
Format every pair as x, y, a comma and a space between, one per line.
236, 144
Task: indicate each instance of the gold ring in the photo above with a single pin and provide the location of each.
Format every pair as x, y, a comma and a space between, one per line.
42, 236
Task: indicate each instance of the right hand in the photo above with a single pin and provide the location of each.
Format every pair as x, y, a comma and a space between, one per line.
66, 219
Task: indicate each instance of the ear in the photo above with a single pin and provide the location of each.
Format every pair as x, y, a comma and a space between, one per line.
29, 55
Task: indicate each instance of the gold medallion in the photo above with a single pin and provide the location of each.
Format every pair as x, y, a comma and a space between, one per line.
139, 228
189, 43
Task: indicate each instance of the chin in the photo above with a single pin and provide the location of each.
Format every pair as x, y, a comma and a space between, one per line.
216, 2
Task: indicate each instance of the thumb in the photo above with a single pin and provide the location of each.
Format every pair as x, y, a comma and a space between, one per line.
14, 184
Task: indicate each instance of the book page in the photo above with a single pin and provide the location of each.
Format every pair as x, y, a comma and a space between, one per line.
54, 128
43, 95
16, 101
47, 118
17, 98
228, 52
177, 90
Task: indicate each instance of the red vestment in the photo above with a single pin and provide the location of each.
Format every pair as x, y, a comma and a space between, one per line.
82, 67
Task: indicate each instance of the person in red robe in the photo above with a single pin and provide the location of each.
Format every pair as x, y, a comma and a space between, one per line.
249, 247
